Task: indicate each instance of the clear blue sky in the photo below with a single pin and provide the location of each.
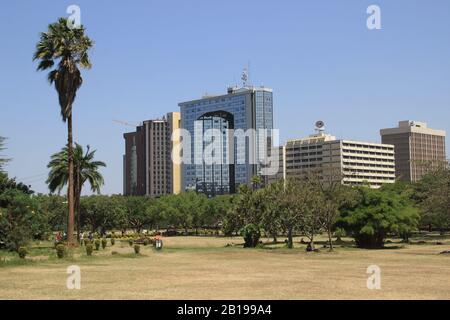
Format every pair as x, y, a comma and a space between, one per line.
318, 56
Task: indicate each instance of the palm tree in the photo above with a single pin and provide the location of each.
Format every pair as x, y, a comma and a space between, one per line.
85, 169
66, 48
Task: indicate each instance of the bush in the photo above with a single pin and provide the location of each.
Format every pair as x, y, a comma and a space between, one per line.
146, 242
113, 241
137, 248
339, 234
22, 251
130, 242
97, 244
104, 243
89, 249
251, 234
60, 251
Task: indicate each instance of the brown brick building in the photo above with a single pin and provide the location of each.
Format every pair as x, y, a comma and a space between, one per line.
417, 148
147, 165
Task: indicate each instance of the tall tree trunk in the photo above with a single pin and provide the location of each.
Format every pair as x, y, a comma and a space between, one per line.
330, 240
77, 203
70, 188
290, 242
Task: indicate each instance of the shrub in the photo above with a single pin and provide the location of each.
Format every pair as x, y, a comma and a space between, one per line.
104, 242
60, 251
97, 244
137, 248
89, 249
339, 233
22, 251
130, 242
251, 234
146, 242
113, 241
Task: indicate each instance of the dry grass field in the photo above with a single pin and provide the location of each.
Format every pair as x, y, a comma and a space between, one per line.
203, 268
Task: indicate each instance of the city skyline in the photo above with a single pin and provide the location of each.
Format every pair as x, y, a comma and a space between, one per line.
356, 80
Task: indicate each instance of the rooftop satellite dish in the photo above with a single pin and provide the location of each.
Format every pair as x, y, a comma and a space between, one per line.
320, 124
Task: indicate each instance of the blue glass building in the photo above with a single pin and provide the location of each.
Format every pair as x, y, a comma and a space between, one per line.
235, 160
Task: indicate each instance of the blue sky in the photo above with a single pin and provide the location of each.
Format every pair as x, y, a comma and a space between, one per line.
318, 56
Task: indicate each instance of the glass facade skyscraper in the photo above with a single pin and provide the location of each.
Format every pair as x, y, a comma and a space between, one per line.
224, 153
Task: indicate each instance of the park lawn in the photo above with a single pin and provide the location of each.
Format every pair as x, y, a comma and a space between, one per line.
203, 268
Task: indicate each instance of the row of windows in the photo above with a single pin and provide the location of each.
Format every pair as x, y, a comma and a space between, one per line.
368, 152
368, 159
345, 144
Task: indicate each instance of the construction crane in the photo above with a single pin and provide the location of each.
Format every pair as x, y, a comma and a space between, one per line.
127, 123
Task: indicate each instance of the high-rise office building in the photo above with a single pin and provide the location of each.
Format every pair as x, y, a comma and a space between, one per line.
281, 165
230, 115
148, 166
417, 148
352, 162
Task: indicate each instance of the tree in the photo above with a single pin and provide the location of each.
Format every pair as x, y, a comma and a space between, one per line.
21, 219
216, 210
433, 195
137, 212
6, 183
290, 202
103, 213
332, 197
67, 47
54, 207
3, 160
377, 213
86, 169
246, 214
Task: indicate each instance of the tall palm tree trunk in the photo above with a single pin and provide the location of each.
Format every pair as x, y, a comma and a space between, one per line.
70, 189
78, 203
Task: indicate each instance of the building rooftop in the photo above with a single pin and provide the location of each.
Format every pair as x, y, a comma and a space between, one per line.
407, 126
232, 90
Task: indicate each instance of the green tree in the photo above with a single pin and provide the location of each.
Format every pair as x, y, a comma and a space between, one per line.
6, 184
21, 219
86, 169
216, 211
291, 202
55, 209
66, 47
103, 213
377, 213
332, 197
137, 212
433, 195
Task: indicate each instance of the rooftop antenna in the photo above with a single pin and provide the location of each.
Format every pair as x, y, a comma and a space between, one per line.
244, 77
248, 72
